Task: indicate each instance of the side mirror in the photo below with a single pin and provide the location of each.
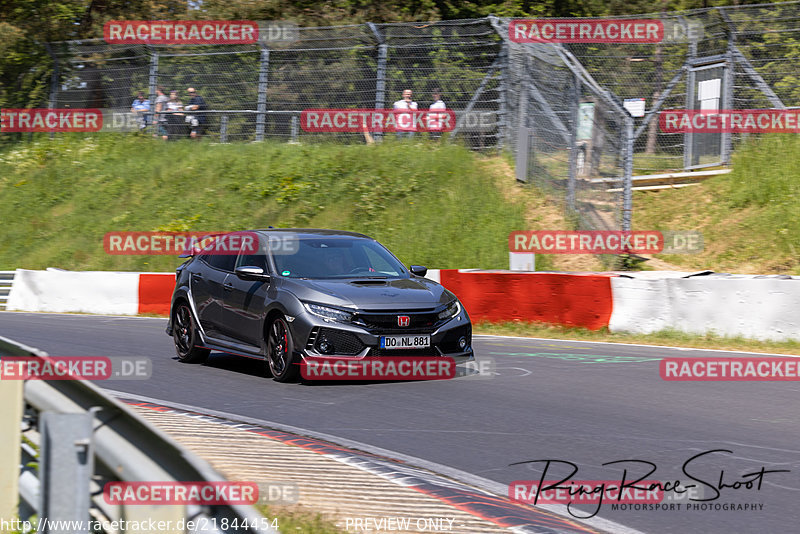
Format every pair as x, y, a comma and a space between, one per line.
418, 270
248, 272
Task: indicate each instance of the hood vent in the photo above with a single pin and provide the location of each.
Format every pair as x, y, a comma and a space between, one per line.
369, 282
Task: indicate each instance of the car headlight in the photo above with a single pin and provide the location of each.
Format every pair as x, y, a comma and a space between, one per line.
452, 310
329, 314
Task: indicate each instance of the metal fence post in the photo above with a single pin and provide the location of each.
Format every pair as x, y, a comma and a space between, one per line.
263, 77
10, 420
688, 138
223, 128
502, 106
66, 464
727, 103
627, 169
153, 84
294, 129
521, 162
728, 74
573, 143
380, 71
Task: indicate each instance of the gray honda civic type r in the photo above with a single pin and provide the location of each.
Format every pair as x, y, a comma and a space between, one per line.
308, 293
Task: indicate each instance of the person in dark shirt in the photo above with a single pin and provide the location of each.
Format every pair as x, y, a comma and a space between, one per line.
196, 122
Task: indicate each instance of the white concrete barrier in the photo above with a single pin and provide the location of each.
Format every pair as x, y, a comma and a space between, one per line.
640, 306
752, 307
54, 290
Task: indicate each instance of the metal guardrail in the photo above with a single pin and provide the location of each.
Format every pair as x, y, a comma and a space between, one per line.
73, 439
6, 282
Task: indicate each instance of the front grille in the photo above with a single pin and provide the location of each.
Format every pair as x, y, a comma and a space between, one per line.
387, 322
343, 342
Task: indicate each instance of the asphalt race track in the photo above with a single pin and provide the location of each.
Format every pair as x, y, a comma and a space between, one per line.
585, 403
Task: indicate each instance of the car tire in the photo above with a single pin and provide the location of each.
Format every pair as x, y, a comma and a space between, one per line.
280, 351
185, 336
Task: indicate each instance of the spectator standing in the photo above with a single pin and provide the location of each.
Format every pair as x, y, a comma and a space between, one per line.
405, 121
161, 117
436, 120
197, 123
174, 118
141, 110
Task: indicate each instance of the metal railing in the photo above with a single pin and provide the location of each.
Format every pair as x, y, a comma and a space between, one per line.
65, 439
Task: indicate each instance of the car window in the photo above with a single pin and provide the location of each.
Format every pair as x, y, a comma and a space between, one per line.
338, 258
376, 261
224, 262
219, 259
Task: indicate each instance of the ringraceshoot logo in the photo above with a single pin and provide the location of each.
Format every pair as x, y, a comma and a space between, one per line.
377, 120
730, 121
586, 31
50, 120
181, 32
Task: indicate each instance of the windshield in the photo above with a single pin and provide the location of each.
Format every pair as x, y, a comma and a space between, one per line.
337, 257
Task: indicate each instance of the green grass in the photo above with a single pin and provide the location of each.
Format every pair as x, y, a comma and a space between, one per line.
750, 218
670, 338
431, 204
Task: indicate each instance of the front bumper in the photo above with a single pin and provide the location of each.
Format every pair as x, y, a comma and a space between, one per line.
347, 340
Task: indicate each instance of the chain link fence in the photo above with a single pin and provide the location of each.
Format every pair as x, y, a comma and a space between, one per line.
579, 119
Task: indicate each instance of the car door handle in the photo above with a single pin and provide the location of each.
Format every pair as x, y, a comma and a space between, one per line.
227, 287
197, 276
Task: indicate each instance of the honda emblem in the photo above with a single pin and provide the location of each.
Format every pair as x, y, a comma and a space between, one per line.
403, 320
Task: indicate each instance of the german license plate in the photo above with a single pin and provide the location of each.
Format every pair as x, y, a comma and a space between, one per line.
405, 342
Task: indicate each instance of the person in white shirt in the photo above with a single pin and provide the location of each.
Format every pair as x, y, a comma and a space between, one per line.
436, 120
405, 121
